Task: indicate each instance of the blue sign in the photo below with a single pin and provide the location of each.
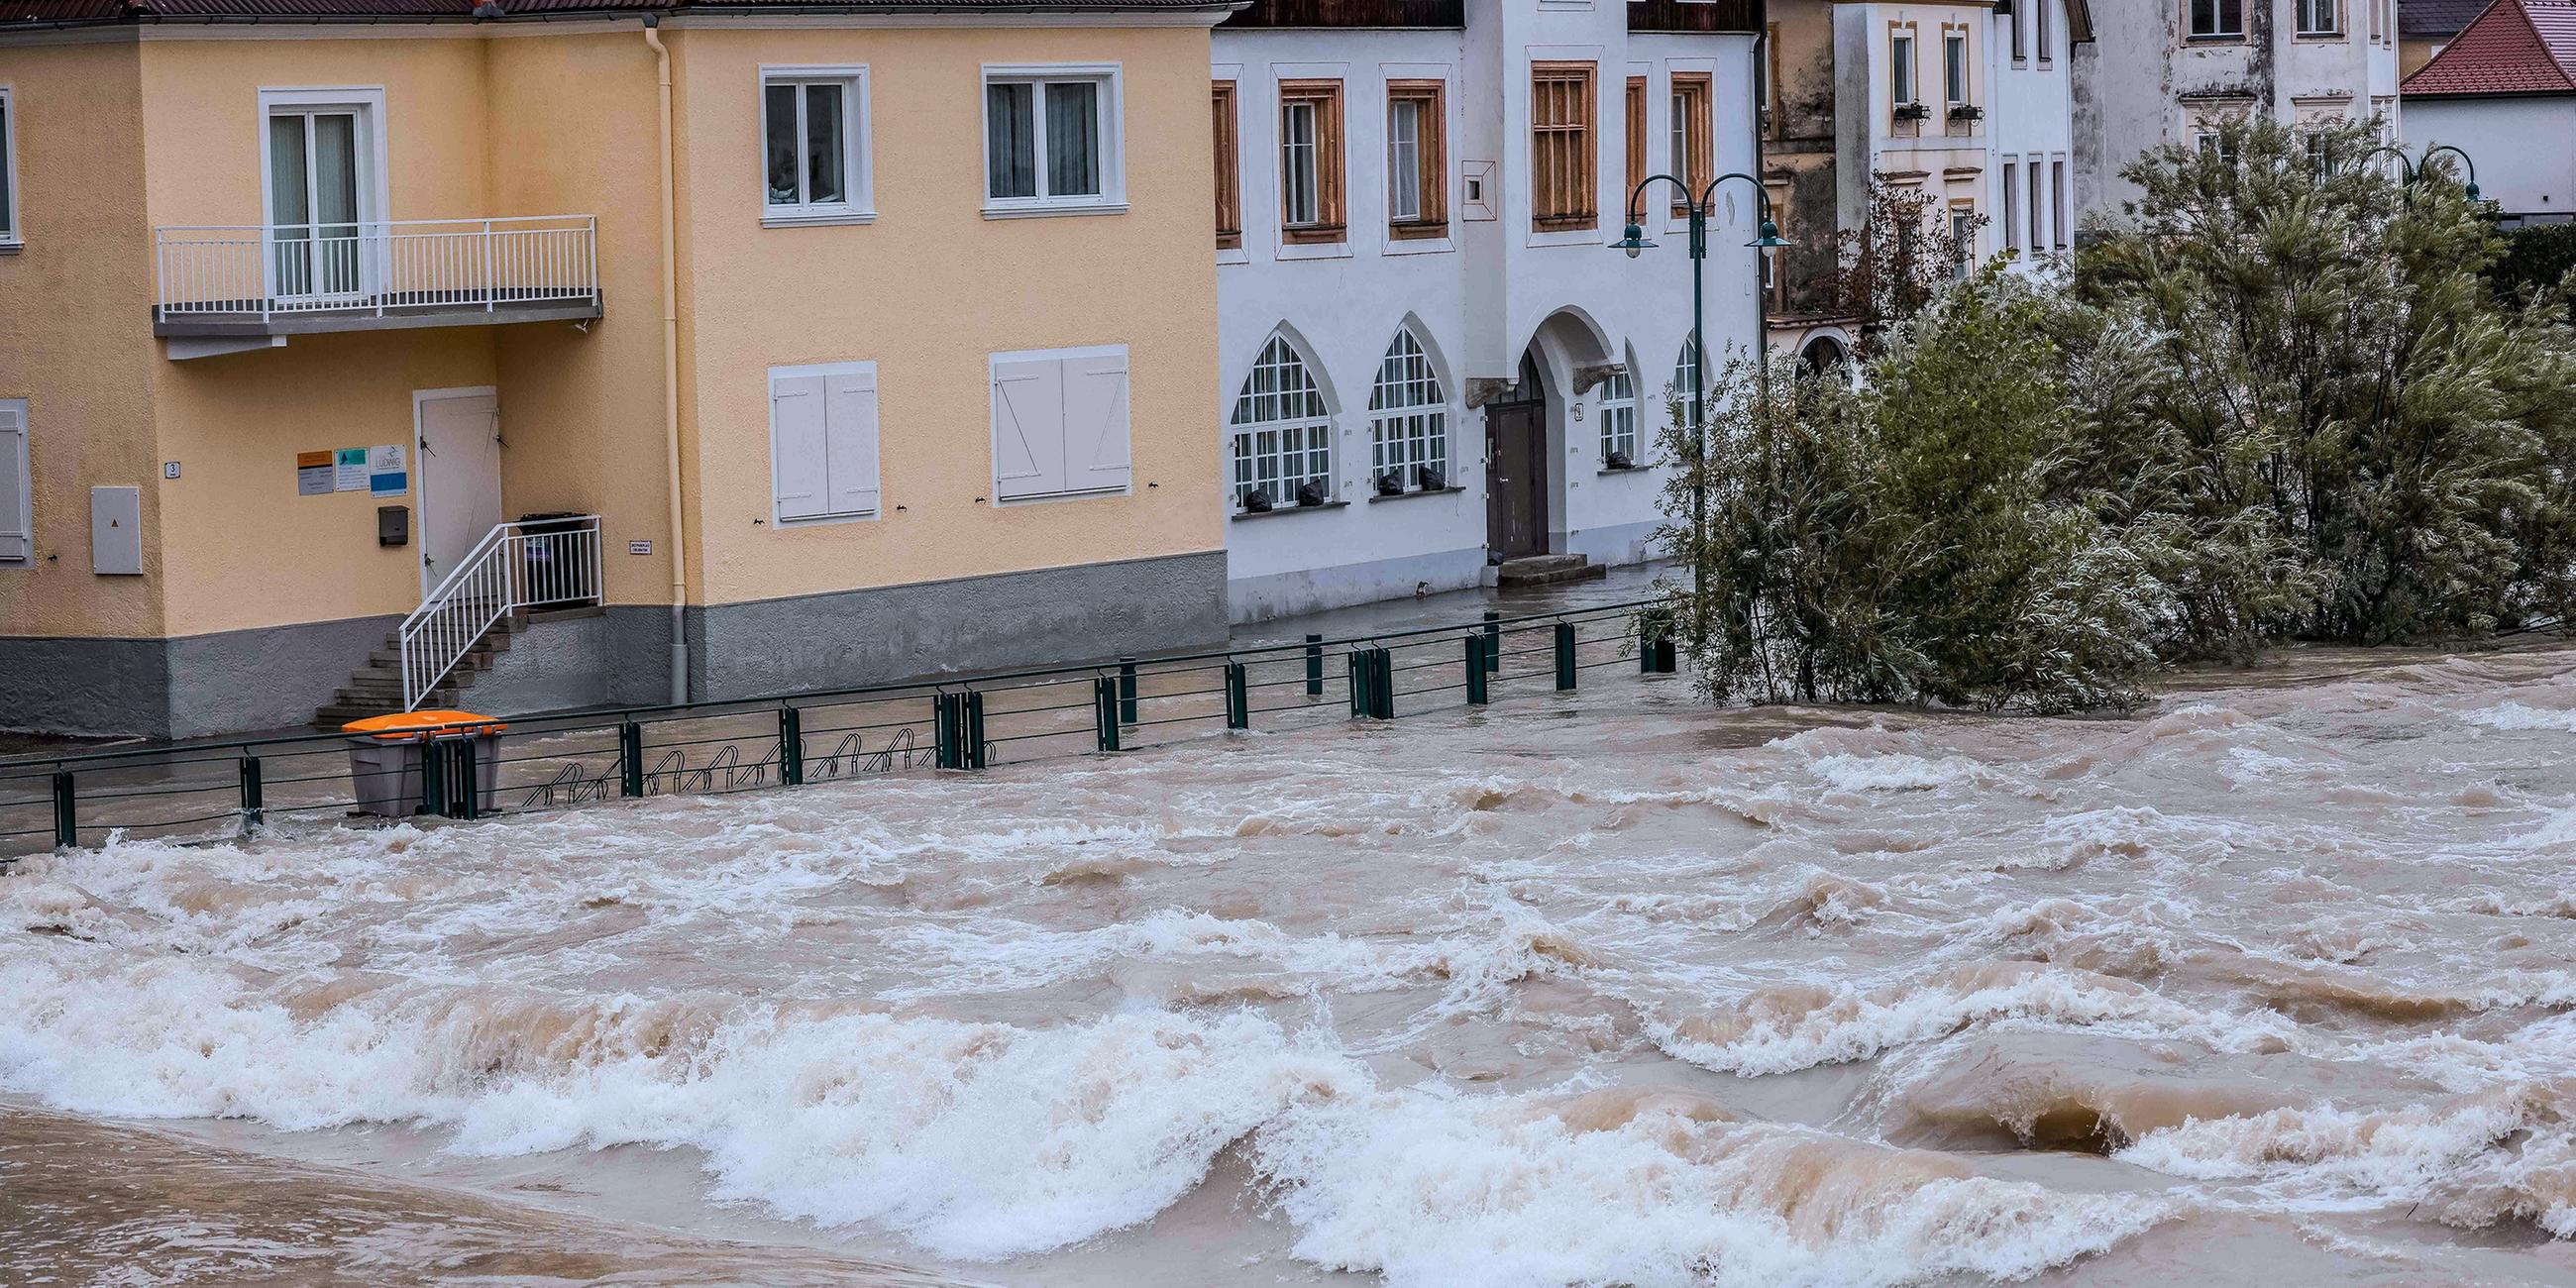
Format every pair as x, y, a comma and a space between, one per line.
394, 484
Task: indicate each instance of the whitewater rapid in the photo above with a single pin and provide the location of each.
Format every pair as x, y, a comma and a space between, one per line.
2273, 983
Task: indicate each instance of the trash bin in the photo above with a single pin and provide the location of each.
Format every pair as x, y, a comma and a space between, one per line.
387, 756
554, 558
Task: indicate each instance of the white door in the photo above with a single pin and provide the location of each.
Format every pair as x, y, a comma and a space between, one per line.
460, 477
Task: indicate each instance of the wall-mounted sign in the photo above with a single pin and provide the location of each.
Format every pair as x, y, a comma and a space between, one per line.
639, 547
349, 470
385, 473
169, 469
313, 473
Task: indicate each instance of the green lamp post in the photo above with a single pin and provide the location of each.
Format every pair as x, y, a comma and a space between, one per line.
1698, 205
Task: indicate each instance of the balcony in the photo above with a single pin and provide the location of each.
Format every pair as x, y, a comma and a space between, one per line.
262, 283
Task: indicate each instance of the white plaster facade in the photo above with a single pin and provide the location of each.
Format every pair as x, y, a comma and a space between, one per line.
1477, 300
2524, 147
2148, 81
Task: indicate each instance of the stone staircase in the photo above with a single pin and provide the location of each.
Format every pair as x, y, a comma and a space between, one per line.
1547, 570
376, 689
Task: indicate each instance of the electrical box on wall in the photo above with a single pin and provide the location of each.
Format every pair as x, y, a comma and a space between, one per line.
393, 525
116, 531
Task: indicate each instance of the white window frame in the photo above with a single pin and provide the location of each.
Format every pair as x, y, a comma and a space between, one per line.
375, 186
1389, 423
1692, 357
1112, 198
1618, 410
26, 479
1408, 192
2218, 30
1956, 76
13, 234
826, 370
1321, 424
858, 151
1901, 88
2302, 11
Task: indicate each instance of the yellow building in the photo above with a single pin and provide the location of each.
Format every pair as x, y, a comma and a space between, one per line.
875, 334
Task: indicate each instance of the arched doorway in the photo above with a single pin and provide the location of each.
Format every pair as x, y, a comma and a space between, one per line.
1823, 354
1516, 478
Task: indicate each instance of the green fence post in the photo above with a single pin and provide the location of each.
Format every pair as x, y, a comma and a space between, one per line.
1126, 690
433, 779
1314, 666
1104, 711
1493, 642
1665, 661
943, 731
1647, 636
1476, 692
254, 810
1238, 697
66, 812
791, 746
465, 793
1564, 656
1385, 686
971, 702
630, 759
1359, 683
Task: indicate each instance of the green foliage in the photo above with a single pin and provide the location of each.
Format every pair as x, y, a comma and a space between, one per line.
2534, 266
2284, 399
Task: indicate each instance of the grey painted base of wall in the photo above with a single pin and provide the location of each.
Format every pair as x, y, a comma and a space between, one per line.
276, 677
1628, 543
1285, 594
228, 682
891, 633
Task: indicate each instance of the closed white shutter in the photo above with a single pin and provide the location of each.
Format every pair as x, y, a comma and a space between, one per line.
1095, 419
798, 461
850, 444
1028, 428
17, 506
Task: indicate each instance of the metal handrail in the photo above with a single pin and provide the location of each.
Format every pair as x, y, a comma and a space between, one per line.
375, 266
515, 566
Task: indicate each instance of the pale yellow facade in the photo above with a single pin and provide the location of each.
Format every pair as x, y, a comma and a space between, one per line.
120, 133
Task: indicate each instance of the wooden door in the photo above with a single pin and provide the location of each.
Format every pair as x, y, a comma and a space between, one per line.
1515, 479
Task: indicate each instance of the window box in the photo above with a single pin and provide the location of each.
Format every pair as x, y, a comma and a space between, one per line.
1913, 111
1052, 142
1967, 112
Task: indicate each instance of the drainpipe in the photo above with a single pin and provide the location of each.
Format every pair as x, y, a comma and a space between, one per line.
671, 373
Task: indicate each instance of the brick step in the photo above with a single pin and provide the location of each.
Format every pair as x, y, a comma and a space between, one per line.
1547, 570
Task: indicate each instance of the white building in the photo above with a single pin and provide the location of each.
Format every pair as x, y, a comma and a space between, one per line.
1969, 104
2170, 72
1431, 361
2504, 92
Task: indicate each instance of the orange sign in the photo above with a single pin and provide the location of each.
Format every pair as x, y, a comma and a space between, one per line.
308, 460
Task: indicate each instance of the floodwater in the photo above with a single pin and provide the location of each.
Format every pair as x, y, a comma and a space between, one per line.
2275, 983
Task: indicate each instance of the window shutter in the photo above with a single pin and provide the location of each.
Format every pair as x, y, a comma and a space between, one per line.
799, 459
17, 519
850, 444
1095, 417
1028, 428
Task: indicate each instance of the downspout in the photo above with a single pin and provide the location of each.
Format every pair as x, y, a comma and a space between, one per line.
671, 372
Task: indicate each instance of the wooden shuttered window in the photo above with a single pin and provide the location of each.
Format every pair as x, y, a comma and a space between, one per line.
1229, 166
1312, 203
1417, 159
823, 443
1694, 156
1060, 424
1563, 183
1636, 141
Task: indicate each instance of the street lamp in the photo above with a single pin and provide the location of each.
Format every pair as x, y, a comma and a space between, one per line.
1768, 243
2411, 172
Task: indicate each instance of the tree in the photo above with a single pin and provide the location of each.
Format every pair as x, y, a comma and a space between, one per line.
1895, 263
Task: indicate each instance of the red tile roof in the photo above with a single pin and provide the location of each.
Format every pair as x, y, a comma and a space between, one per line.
2515, 47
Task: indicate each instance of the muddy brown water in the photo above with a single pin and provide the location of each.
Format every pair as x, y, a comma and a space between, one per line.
2270, 984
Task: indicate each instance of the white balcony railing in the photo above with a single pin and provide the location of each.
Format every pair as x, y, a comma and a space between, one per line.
546, 563
375, 268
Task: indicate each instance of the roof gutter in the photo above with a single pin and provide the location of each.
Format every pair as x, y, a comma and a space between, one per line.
678, 534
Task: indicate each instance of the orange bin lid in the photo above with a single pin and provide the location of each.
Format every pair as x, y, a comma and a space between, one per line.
404, 726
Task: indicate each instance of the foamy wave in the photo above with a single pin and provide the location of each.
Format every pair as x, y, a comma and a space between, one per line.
1792, 1027
2499, 1155
2516, 716
1432, 1189
1895, 772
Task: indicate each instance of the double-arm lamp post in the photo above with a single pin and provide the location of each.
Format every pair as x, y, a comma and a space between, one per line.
1698, 205
2411, 171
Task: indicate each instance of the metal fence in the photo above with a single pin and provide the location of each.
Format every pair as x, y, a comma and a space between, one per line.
374, 266
217, 790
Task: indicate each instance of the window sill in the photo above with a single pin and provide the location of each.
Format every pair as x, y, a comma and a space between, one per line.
777, 218
1608, 470
1284, 511
11, 247
1049, 498
1407, 496
1233, 255
1315, 250
2217, 38
2321, 37
1047, 212
822, 521
1420, 246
